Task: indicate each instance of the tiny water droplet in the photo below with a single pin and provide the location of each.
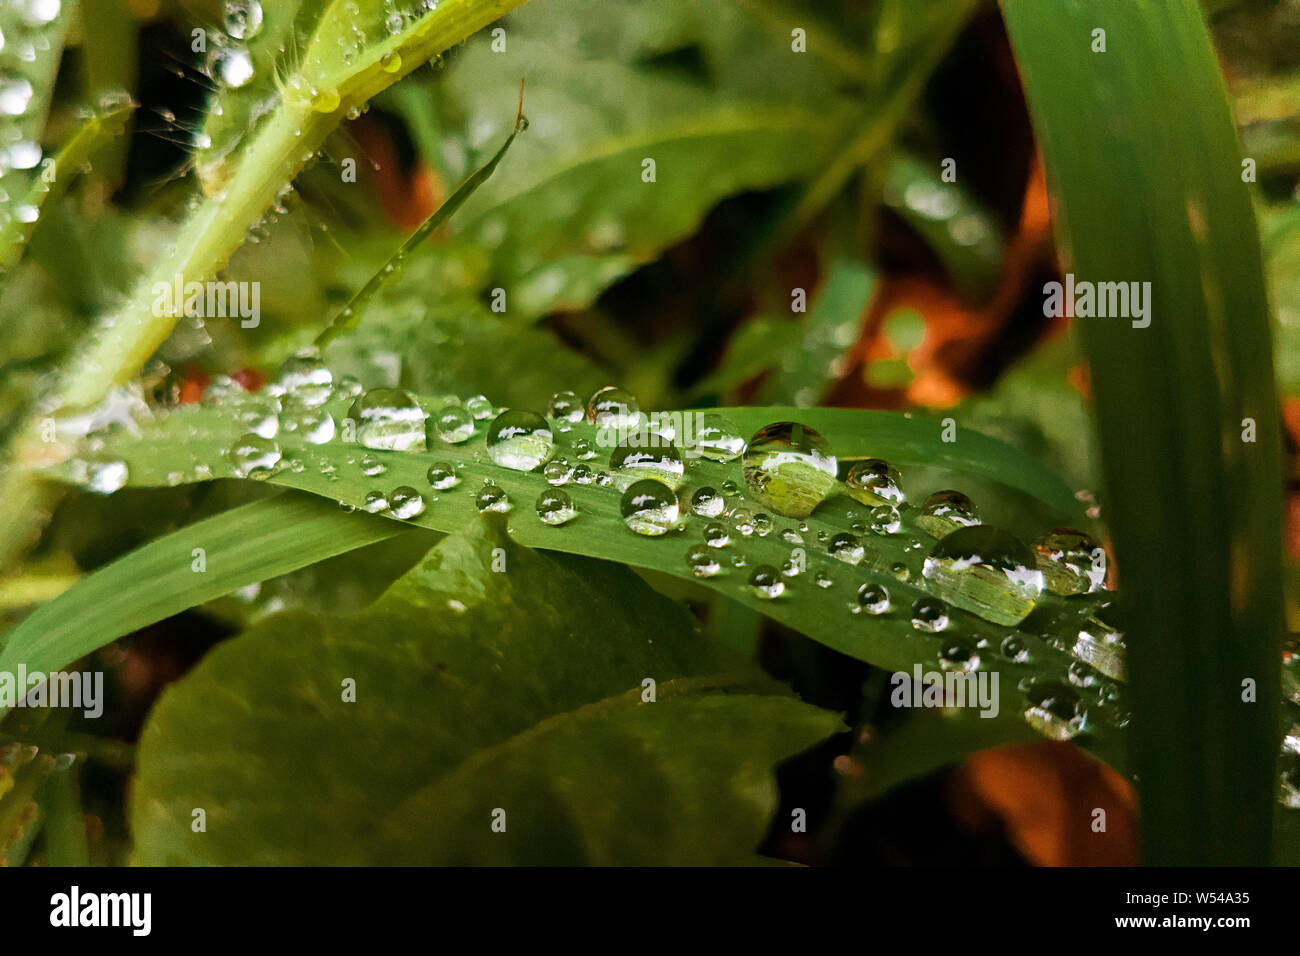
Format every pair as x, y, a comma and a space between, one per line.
847, 548
959, 654
1015, 649
492, 497
1054, 709
375, 502
557, 471
702, 561
716, 534
873, 598
707, 503
480, 408
929, 615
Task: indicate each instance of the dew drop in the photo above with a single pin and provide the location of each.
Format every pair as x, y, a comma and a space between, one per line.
106, 477
615, 408
1015, 649
649, 507
959, 654
873, 598
492, 497
442, 476
388, 419
875, 482
716, 535
243, 18
929, 615
1071, 562
557, 471
480, 408
372, 467
847, 548
304, 381
375, 502
707, 503
1054, 709
717, 439
986, 571
788, 467
453, 424
405, 502
647, 457
884, 519
702, 561
254, 456
520, 440
555, 507
766, 582
946, 511
565, 407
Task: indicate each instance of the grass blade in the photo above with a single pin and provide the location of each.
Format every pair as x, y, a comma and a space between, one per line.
246, 544
1146, 173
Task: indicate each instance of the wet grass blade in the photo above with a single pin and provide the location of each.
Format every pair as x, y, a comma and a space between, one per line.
241, 546
1146, 175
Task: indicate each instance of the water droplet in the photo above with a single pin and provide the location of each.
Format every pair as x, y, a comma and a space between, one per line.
647, 457
884, 519
15, 95
405, 502
453, 424
1100, 643
1081, 675
615, 408
824, 580
766, 582
702, 561
555, 507
315, 426
707, 503
442, 475
875, 482
649, 507
717, 439
742, 521
388, 419
1288, 781
900, 571
230, 66
716, 534
480, 408
583, 450
929, 615
106, 477
372, 466
254, 456
520, 440
557, 471
1015, 649
986, 571
959, 654
1054, 709
1291, 670
243, 18
792, 567
847, 548
304, 381
375, 502
789, 468
492, 497
565, 407
873, 598
583, 475
946, 511
391, 62
1071, 562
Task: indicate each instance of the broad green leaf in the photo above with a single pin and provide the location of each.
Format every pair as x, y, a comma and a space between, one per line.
193, 442
488, 677
1146, 176
239, 547
571, 210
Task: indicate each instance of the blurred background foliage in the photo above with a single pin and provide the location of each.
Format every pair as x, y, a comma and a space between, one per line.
819, 172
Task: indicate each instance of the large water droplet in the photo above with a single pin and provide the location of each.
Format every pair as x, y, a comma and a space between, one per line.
106, 477
647, 457
442, 476
847, 548
986, 571
388, 419
789, 468
873, 598
649, 507
565, 407
875, 482
304, 381
1100, 643
520, 440
946, 511
929, 615
492, 497
707, 503
243, 18
959, 654
716, 534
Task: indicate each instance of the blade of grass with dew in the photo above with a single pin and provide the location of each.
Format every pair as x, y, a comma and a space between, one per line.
1146, 175
242, 546
348, 318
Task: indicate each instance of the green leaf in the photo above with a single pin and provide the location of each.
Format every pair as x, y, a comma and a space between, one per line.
241, 546
571, 212
1146, 175
193, 441
488, 677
